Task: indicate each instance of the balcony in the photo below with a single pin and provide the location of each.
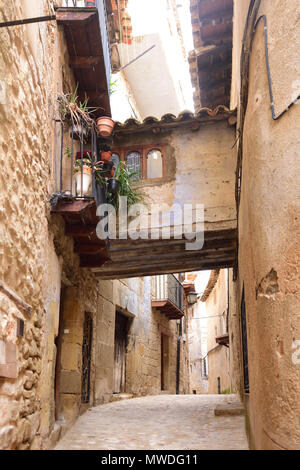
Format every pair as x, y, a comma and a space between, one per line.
85, 26
168, 296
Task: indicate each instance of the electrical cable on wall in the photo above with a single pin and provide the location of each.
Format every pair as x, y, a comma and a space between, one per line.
275, 118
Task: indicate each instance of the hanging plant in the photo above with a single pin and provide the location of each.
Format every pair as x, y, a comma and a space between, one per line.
77, 113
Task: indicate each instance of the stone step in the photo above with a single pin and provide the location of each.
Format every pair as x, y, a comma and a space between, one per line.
229, 409
121, 396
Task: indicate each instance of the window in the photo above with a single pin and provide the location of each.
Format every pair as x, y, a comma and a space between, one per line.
149, 161
154, 164
133, 162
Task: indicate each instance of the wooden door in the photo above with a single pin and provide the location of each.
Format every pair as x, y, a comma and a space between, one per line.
120, 353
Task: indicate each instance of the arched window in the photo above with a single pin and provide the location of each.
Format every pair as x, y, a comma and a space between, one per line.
133, 162
154, 164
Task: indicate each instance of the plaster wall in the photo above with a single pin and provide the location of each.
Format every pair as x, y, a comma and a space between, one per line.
200, 169
218, 356
269, 228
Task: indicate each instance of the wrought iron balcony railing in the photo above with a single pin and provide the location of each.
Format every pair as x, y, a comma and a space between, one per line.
78, 165
168, 295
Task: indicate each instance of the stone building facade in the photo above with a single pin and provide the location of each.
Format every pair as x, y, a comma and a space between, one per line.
215, 297
268, 216
57, 323
256, 42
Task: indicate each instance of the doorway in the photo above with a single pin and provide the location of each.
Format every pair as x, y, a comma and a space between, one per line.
121, 330
164, 362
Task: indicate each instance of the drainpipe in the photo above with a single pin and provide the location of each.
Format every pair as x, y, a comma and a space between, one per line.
178, 358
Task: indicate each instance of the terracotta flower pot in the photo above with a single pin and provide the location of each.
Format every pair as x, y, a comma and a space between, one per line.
105, 156
105, 126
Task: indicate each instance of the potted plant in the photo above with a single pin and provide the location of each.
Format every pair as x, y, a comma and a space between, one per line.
122, 184
83, 171
113, 185
105, 126
83, 177
105, 156
77, 113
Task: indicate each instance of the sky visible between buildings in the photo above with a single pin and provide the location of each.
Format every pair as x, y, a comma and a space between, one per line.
160, 80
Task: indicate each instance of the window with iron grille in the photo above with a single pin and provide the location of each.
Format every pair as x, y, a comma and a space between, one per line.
133, 162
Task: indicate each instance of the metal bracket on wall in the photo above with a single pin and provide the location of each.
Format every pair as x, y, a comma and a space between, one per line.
38, 19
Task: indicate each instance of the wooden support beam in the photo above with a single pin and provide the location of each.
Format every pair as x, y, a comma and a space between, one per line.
196, 258
166, 251
92, 95
163, 270
92, 261
84, 62
110, 272
80, 230
184, 256
119, 245
90, 249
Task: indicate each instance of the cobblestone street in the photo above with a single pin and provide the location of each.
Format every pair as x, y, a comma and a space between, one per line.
163, 422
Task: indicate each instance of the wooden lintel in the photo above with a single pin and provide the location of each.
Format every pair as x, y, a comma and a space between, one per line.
177, 251
161, 269
186, 257
84, 62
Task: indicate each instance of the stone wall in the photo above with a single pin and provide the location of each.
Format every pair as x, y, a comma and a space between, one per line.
26, 109
37, 260
132, 297
269, 228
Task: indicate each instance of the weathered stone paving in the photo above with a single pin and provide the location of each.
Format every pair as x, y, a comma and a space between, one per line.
163, 422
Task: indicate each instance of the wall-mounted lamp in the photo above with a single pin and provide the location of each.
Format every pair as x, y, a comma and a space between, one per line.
192, 297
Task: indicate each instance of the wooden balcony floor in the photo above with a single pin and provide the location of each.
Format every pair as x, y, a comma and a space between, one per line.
168, 308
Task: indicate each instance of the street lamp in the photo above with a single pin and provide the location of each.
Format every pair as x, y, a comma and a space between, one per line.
192, 297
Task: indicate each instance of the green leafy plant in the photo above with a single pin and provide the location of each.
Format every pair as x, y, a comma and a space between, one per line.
113, 87
87, 160
127, 187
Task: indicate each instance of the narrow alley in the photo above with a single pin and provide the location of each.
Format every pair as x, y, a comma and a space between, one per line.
149, 225
160, 422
